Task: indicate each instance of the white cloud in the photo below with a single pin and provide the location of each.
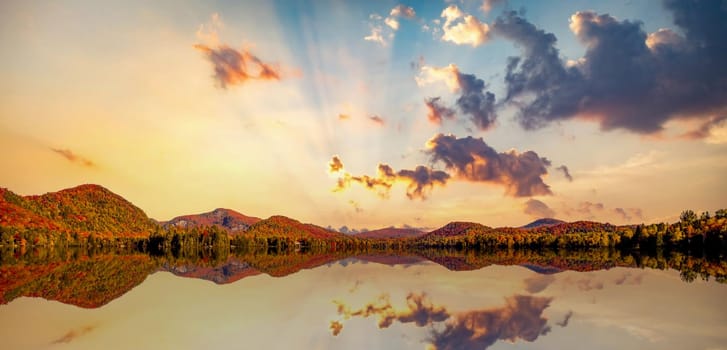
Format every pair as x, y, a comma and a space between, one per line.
383, 29
447, 74
463, 29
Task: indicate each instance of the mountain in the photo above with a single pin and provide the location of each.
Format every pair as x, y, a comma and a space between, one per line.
228, 219
390, 232
83, 209
232, 270
282, 226
577, 227
458, 228
544, 222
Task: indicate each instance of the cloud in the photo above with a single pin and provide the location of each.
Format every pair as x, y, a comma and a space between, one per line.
419, 310
418, 181
587, 284
476, 101
74, 158
376, 119
566, 319
538, 283
566, 172
448, 75
628, 279
471, 159
538, 209
520, 318
375, 35
585, 210
473, 99
627, 79
355, 286
73, 334
467, 159
628, 213
384, 29
335, 165
487, 5
232, 67
336, 327
403, 11
713, 130
436, 111
463, 29
381, 183
421, 179
356, 206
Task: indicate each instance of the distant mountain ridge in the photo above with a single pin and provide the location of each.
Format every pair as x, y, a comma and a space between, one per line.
282, 225
391, 232
228, 219
93, 209
457, 228
544, 222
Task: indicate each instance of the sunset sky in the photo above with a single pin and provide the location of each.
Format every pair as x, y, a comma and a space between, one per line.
371, 113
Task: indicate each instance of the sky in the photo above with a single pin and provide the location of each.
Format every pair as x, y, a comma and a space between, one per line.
371, 114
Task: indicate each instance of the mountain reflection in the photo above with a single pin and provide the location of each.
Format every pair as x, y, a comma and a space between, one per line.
92, 278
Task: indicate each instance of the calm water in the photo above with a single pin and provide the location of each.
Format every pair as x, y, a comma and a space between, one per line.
365, 302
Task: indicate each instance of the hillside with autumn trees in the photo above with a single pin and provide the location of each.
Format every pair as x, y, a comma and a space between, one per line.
69, 215
90, 215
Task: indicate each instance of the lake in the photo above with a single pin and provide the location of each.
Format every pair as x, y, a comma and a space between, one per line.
371, 300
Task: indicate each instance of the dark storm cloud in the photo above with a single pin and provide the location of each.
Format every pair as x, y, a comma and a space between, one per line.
566, 172
421, 179
73, 157
626, 79
538, 209
521, 318
436, 111
475, 101
472, 159
233, 67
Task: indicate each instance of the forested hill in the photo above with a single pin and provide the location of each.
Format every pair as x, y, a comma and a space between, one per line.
83, 209
92, 215
230, 220
286, 227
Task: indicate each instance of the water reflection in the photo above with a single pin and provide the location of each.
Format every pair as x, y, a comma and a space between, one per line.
362, 300
521, 318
